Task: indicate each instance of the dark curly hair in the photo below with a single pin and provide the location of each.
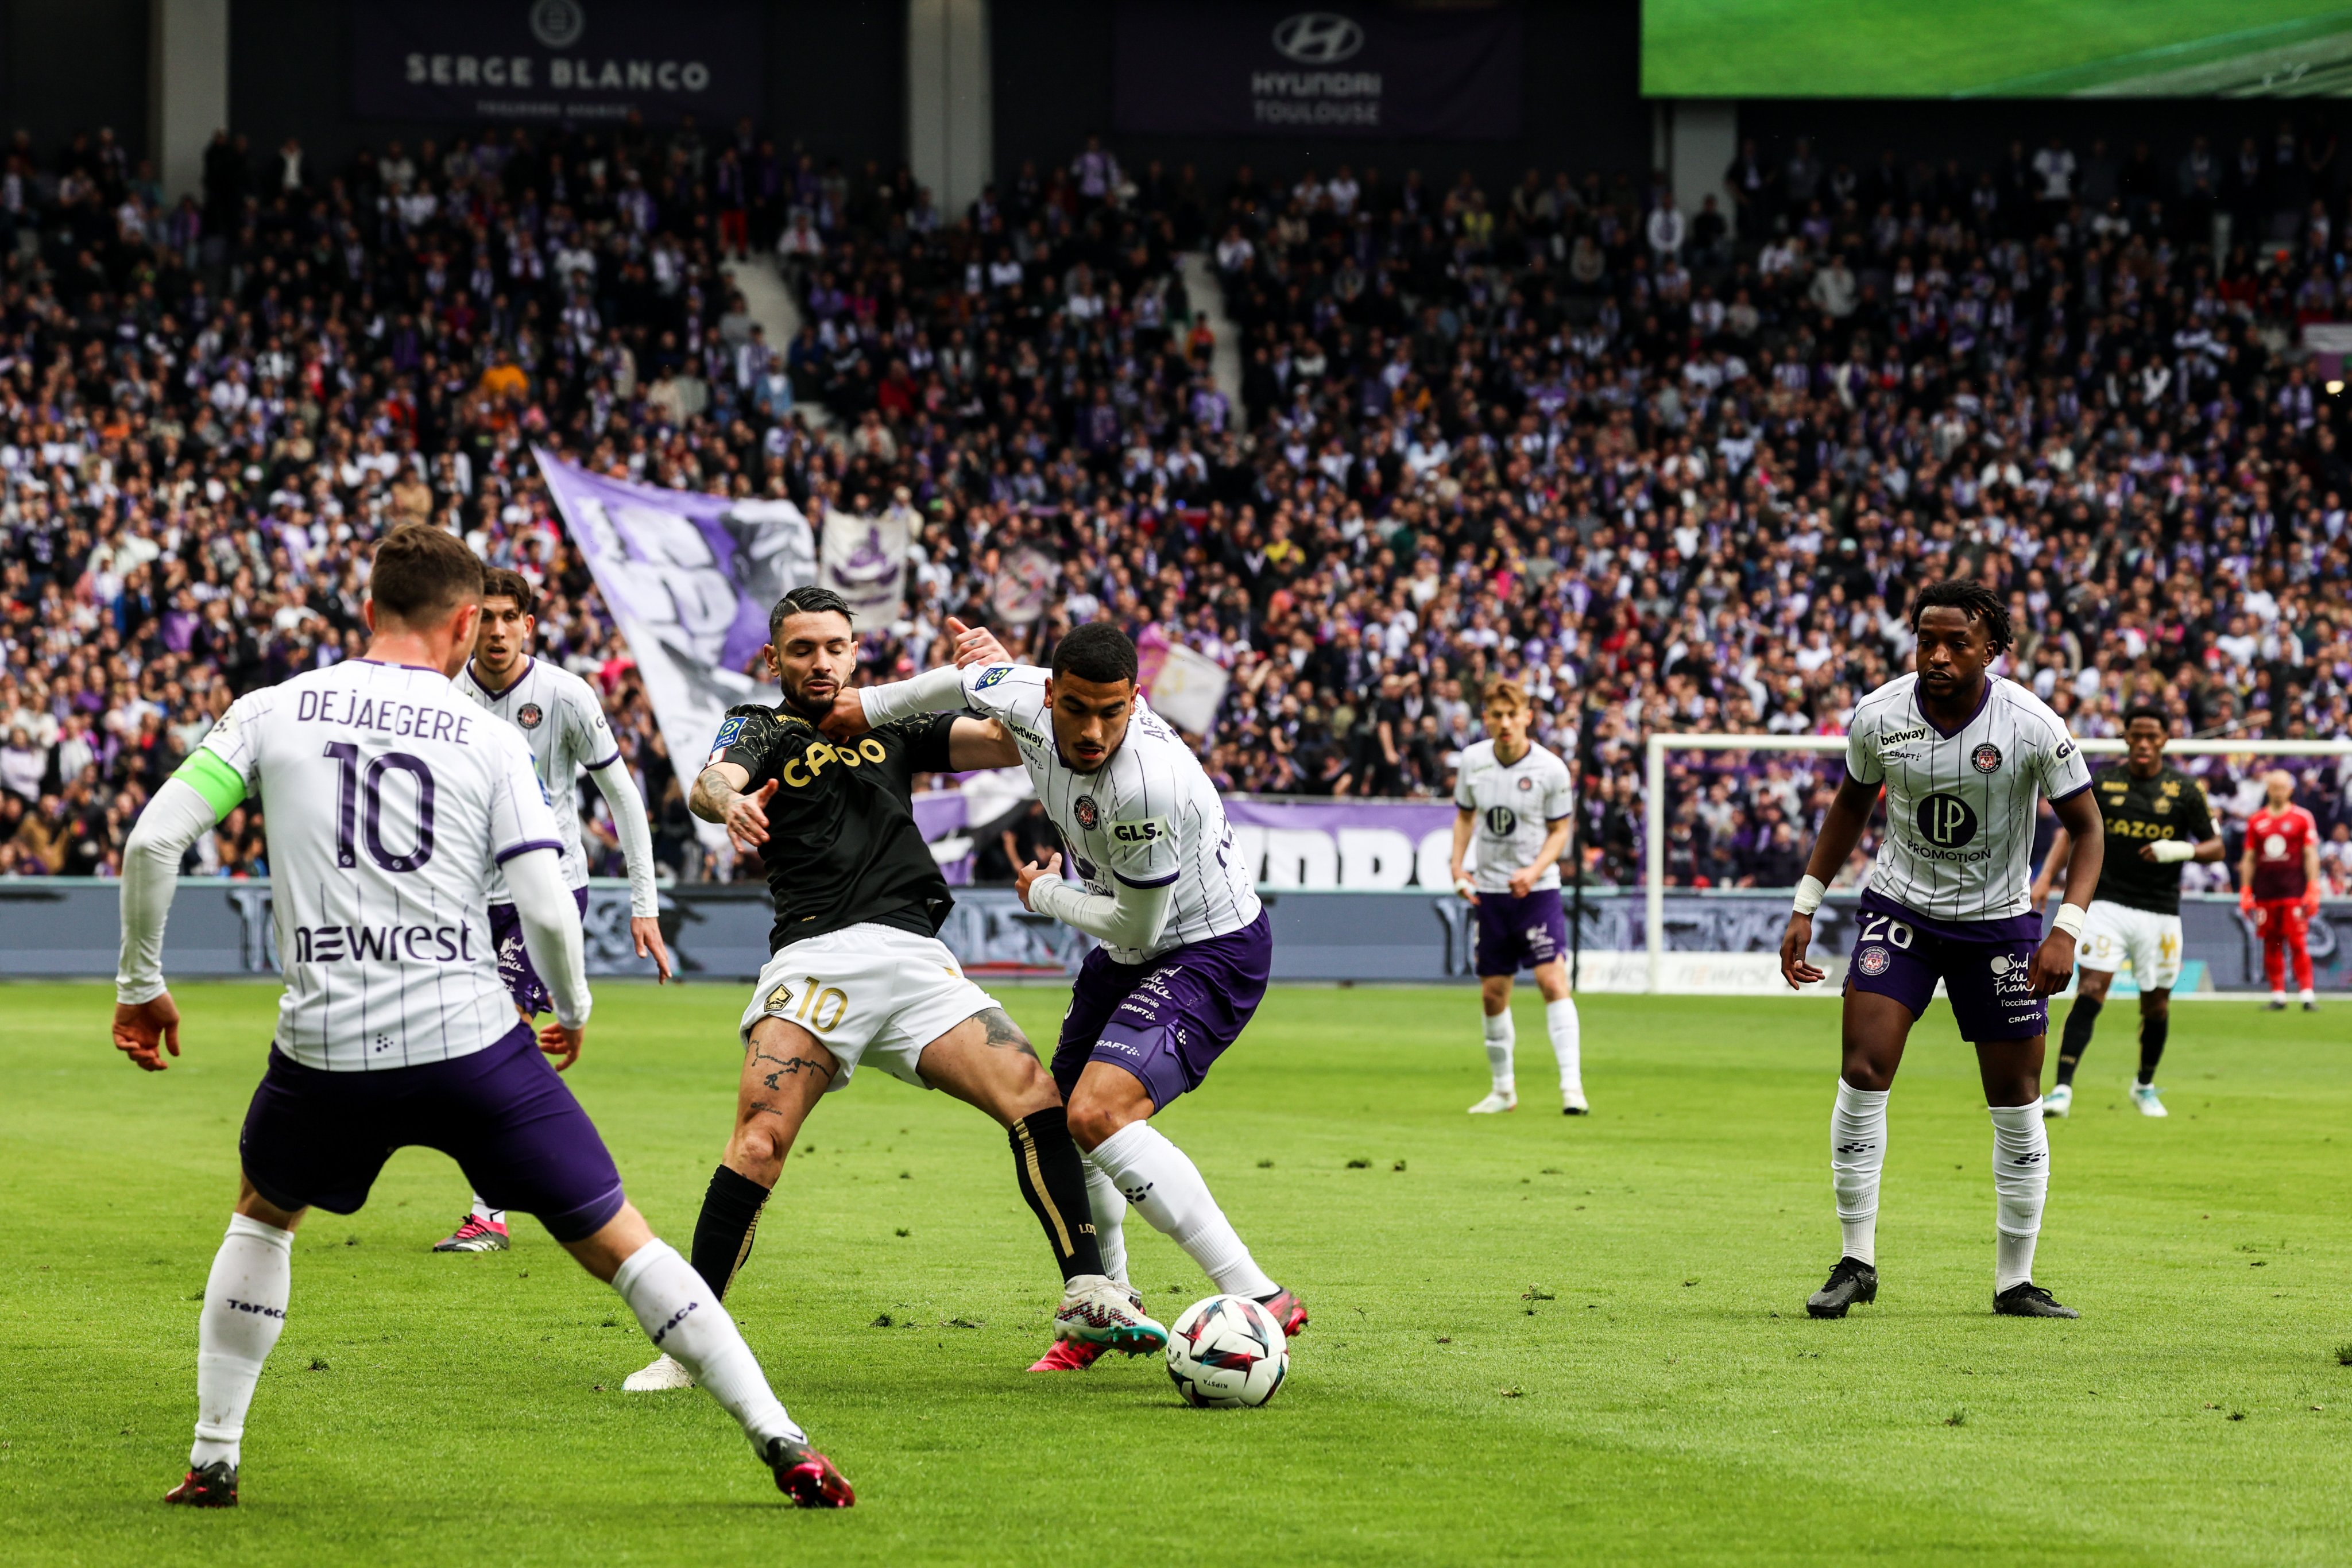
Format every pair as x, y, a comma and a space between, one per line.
808, 599
1973, 600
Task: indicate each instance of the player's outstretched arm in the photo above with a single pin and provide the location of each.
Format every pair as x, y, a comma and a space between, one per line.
550, 934
628, 808
977, 743
146, 1020
719, 798
2054, 962
1842, 827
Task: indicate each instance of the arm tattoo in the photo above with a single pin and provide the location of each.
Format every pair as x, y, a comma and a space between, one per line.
1004, 1033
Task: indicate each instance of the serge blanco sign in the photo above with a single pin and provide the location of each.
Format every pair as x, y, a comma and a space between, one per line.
558, 61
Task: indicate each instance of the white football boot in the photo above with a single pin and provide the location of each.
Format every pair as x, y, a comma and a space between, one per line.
1499, 1100
2144, 1095
1573, 1101
664, 1371
2059, 1101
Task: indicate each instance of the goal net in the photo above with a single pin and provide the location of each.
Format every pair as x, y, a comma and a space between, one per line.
1722, 856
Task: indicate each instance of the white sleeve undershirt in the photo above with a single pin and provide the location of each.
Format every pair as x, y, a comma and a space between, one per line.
939, 690
628, 808
1130, 918
551, 931
175, 816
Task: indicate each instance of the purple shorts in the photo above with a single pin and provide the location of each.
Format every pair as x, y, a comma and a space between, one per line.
1168, 1020
1517, 934
1984, 969
316, 1139
524, 984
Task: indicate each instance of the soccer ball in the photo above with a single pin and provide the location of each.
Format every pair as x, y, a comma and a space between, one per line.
1227, 1351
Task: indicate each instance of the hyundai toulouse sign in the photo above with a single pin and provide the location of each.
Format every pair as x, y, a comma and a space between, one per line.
1199, 68
557, 60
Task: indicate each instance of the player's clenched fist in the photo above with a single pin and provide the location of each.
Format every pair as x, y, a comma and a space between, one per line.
1028, 874
144, 1030
2052, 964
746, 818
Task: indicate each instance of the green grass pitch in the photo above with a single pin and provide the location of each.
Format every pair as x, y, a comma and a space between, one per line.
2024, 49
1534, 1339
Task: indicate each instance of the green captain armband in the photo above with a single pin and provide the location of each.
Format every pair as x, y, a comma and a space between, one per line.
215, 780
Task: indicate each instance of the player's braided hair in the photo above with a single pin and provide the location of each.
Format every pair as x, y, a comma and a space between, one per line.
808, 599
1971, 599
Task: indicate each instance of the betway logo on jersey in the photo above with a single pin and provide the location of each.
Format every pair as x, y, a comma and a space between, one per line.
383, 944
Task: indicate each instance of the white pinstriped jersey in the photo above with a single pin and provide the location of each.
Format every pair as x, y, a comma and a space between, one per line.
389, 801
1517, 804
564, 726
1960, 807
1148, 817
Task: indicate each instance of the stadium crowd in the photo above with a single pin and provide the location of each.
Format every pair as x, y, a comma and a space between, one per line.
1663, 477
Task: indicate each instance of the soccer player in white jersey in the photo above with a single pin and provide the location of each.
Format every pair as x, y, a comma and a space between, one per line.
1965, 758
390, 801
1187, 947
564, 726
1514, 797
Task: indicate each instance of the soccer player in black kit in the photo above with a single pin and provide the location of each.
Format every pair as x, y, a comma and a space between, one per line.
859, 976
2157, 820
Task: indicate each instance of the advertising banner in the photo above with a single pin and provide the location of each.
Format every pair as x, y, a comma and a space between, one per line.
690, 579
558, 61
1244, 67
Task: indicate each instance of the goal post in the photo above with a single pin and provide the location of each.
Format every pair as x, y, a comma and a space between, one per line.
1654, 812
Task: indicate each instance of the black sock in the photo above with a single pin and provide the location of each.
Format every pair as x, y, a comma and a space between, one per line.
1052, 1177
2081, 1020
724, 1229
2153, 1029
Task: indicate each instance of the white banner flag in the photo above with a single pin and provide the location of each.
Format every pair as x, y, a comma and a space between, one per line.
866, 563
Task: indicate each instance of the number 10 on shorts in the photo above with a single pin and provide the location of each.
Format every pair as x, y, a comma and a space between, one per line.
815, 998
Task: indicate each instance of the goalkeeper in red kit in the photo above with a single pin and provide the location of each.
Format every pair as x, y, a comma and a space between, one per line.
2278, 884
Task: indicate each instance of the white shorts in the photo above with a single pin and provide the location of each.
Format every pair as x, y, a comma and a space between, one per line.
2113, 932
868, 993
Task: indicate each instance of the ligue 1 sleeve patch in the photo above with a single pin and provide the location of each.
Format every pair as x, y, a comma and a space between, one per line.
994, 675
728, 734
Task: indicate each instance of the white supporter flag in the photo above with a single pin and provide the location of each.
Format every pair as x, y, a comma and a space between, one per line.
1187, 689
865, 562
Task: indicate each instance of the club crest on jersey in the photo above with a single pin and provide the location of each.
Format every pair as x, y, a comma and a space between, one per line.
529, 715
1987, 757
1872, 960
1527, 783
1087, 813
991, 678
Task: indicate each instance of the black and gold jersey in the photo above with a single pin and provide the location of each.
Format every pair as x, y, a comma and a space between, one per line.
843, 848
2138, 812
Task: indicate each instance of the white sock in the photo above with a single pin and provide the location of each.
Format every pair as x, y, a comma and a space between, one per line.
1167, 1189
683, 1318
1567, 1043
1501, 1035
2278, 997
243, 1311
485, 1213
1857, 1154
1110, 1220
2309, 995
2021, 1181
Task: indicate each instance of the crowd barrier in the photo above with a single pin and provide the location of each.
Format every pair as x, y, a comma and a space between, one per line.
1718, 942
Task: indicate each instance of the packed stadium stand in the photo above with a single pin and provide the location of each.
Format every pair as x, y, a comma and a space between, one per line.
1548, 430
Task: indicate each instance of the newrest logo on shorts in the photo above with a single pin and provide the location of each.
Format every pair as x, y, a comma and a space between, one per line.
383, 944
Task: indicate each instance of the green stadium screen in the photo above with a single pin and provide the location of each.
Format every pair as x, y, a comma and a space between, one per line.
1995, 48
